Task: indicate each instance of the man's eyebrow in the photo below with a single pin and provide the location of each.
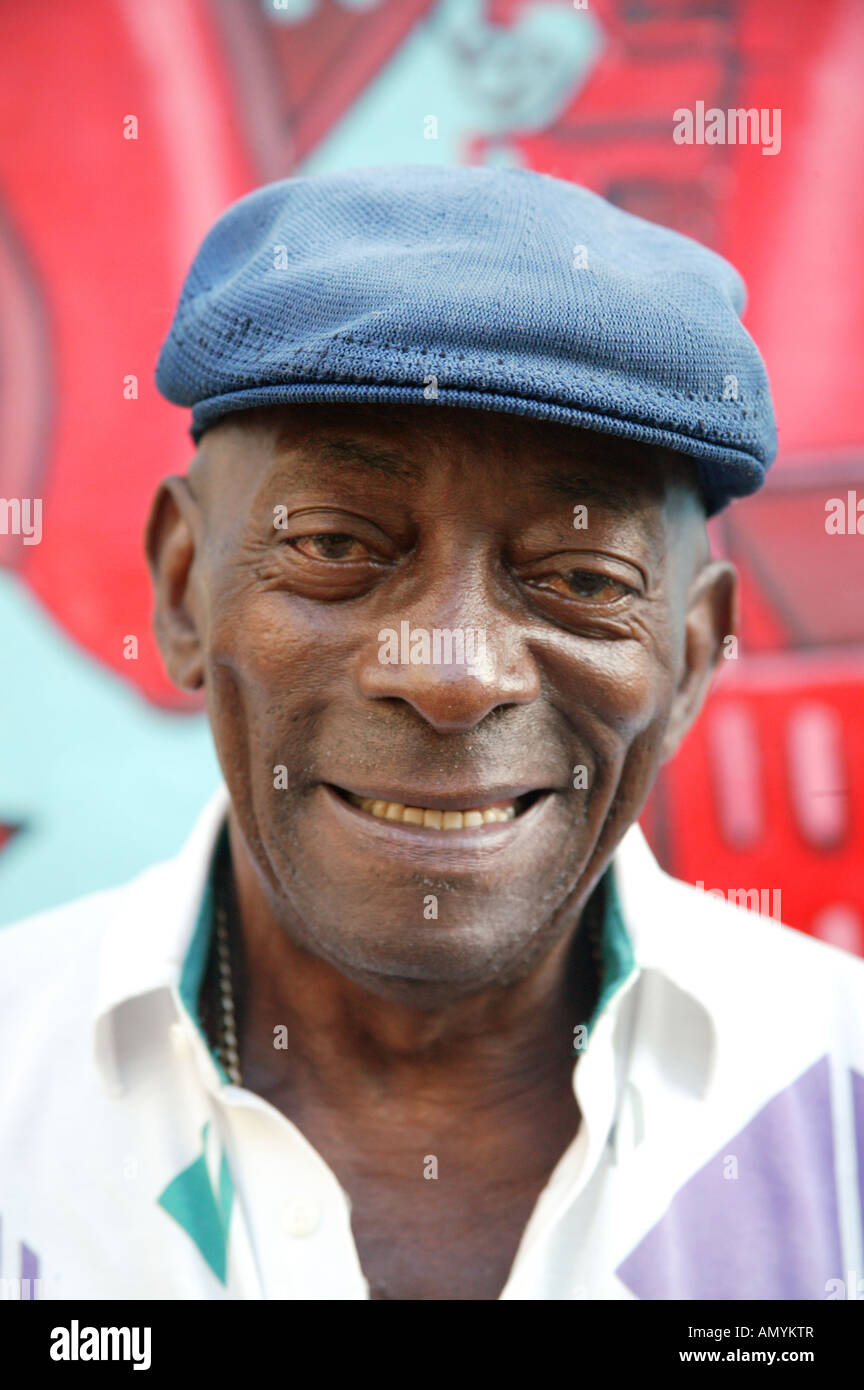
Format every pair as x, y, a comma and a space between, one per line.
359, 456
573, 486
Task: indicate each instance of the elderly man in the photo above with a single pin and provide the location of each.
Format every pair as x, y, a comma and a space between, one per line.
415, 1014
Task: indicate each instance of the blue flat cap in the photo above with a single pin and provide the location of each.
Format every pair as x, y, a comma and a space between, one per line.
493, 289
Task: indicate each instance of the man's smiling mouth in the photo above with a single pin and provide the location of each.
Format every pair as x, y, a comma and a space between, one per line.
472, 814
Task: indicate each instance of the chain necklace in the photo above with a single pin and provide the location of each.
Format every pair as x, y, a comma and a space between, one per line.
226, 1046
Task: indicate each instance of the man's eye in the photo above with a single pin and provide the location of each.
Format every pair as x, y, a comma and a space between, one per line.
585, 584
328, 545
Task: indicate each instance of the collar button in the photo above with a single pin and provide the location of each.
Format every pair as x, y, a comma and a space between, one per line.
300, 1217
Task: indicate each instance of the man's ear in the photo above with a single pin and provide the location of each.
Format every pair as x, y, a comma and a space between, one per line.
172, 527
712, 615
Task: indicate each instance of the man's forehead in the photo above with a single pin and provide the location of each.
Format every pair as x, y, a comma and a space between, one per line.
404, 445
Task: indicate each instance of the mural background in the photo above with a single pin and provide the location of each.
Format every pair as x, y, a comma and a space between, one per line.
103, 765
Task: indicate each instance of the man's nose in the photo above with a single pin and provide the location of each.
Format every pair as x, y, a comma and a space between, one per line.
453, 675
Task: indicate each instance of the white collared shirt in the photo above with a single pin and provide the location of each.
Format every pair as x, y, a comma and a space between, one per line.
720, 1152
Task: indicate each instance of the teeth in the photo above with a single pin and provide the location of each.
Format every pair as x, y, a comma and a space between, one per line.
431, 819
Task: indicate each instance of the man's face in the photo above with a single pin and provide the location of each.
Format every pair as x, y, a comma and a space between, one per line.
314, 536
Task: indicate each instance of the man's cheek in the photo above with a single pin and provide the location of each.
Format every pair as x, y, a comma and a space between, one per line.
627, 747
616, 708
265, 645
635, 691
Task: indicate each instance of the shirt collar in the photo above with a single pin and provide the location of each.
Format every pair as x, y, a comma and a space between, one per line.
148, 937
682, 994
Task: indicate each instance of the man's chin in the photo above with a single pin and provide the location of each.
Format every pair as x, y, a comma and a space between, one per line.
428, 963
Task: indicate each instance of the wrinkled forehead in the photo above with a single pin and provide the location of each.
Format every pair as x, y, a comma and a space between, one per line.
407, 446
